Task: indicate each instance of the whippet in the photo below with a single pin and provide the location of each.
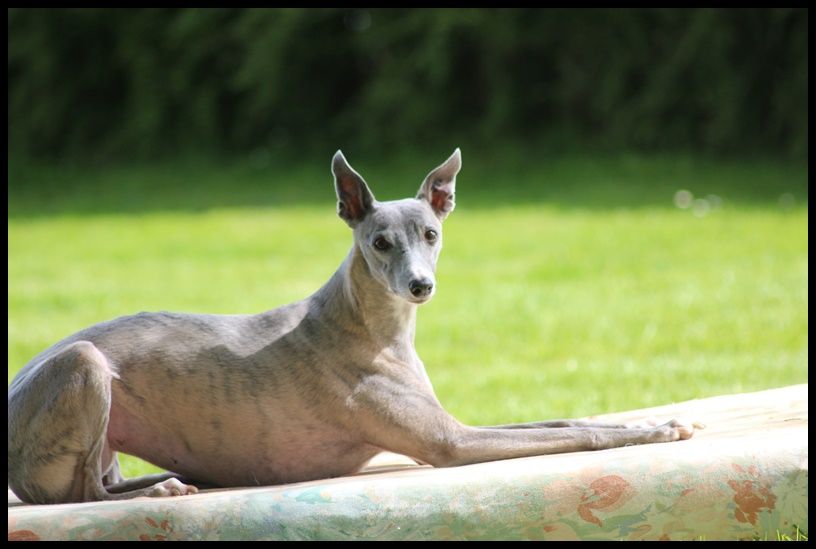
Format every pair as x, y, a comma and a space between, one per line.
309, 390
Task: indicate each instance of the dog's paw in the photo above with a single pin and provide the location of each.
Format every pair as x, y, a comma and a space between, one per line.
170, 487
683, 428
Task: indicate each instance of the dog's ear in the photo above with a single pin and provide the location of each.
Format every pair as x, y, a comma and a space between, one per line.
439, 186
354, 198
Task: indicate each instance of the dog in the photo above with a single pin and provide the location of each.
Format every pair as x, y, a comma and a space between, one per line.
309, 390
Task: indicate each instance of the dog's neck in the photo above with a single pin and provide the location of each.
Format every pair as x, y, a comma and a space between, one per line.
353, 298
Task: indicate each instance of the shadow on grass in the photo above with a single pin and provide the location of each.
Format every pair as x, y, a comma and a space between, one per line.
487, 180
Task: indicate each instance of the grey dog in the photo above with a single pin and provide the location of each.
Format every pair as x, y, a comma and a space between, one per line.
309, 390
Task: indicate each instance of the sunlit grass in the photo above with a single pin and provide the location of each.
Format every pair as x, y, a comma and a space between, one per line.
795, 535
798, 535
542, 311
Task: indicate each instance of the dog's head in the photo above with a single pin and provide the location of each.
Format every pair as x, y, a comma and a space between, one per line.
401, 239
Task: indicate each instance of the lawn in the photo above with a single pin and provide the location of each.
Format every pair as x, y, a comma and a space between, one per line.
567, 286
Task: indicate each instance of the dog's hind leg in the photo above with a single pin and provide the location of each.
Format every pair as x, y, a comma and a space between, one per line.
113, 474
57, 425
166, 480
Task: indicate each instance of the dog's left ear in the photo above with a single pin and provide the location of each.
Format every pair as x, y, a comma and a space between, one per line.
439, 185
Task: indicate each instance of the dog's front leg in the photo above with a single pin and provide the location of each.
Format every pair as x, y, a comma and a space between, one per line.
485, 444
405, 417
644, 423
556, 423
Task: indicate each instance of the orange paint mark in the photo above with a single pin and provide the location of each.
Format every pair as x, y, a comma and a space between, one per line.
23, 535
606, 491
586, 514
750, 500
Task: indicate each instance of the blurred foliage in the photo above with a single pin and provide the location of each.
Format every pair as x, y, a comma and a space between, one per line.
150, 83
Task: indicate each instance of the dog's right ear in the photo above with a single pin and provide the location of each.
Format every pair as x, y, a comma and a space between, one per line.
354, 198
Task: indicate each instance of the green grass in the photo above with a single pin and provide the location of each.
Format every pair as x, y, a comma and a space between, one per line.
549, 304
797, 535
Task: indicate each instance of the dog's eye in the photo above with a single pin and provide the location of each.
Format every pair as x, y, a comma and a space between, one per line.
430, 235
381, 244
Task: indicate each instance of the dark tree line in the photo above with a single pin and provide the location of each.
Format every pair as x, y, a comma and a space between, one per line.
151, 82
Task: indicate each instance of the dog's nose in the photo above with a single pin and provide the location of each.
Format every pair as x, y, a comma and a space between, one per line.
421, 287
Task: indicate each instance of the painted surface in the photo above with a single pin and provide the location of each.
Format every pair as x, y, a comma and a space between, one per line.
744, 476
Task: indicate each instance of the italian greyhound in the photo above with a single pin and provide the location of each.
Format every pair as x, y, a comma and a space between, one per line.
306, 391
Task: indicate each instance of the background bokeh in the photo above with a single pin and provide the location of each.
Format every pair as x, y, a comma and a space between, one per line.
112, 83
